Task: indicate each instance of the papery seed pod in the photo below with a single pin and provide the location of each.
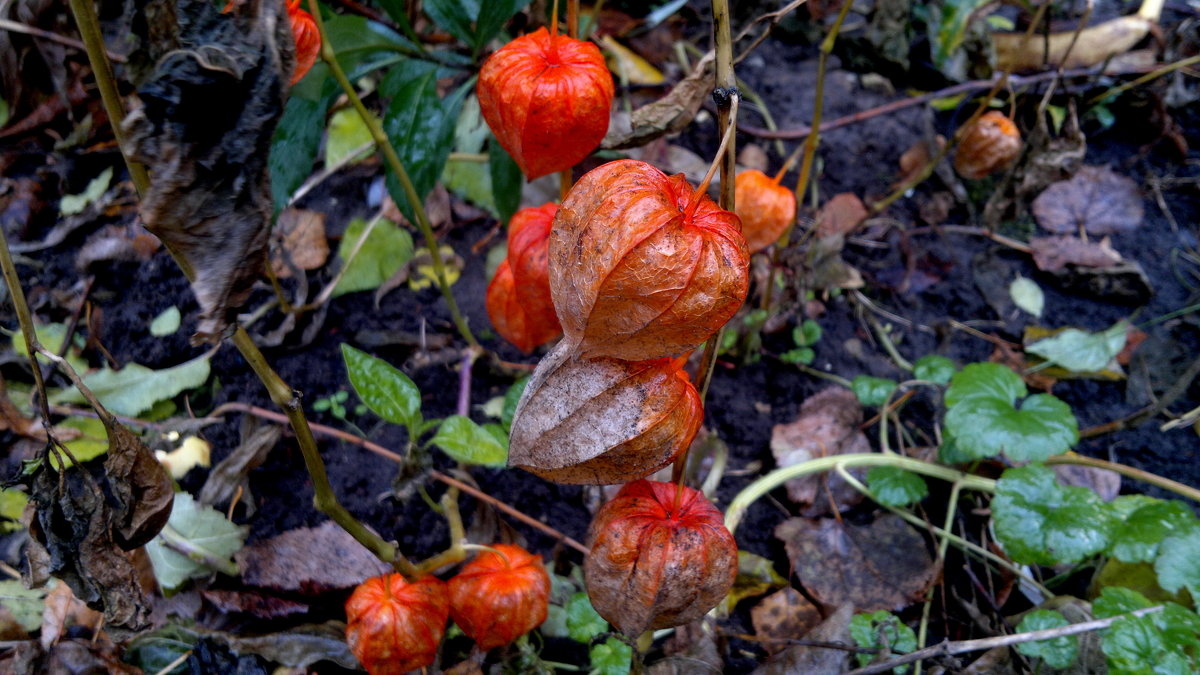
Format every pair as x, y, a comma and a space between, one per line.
528, 255
496, 599
393, 626
306, 37
638, 269
603, 421
765, 207
547, 99
991, 143
660, 557
511, 318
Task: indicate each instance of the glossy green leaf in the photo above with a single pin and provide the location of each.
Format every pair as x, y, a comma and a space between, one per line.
455, 16
347, 134
611, 657
294, 147
397, 10
1041, 522
583, 623
881, 630
872, 391
1080, 351
1058, 652
385, 390
1162, 643
511, 398
1137, 538
136, 388
363, 45
204, 529
507, 181
386, 250
166, 323
896, 487
420, 126
493, 14
1178, 563
983, 420
1116, 600
955, 18
934, 368
469, 443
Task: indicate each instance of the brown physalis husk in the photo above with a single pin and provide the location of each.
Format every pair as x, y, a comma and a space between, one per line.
990, 144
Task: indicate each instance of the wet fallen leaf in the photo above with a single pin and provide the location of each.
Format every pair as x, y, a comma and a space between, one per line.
1008, 356
883, 565
385, 252
806, 659
205, 534
64, 610
135, 388
1095, 200
299, 647
310, 560
210, 199
1071, 48
1027, 295
1054, 253
25, 605
782, 616
300, 238
691, 646
826, 425
840, 215
627, 66
668, 114
117, 243
254, 604
1079, 351
1103, 482
917, 157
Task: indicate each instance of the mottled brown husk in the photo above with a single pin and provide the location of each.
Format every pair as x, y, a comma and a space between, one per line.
990, 144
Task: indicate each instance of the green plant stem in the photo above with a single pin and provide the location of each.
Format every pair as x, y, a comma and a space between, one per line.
397, 166
1148, 77
948, 526
1129, 472
456, 553
754, 491
287, 399
831, 377
25, 319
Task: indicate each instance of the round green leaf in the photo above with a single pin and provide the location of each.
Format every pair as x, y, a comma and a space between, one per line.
1041, 522
1137, 538
583, 623
1058, 652
983, 420
872, 391
896, 487
881, 630
1178, 563
934, 368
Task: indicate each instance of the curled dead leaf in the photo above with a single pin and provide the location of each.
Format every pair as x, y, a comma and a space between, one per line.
669, 114
300, 242
827, 425
1055, 253
1095, 200
842, 214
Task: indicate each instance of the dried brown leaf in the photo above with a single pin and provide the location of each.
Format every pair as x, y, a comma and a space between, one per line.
669, 114
602, 421
310, 560
692, 648
1096, 200
1055, 253
300, 238
884, 565
254, 604
840, 215
233, 472
141, 487
806, 659
827, 425
64, 610
782, 616
118, 243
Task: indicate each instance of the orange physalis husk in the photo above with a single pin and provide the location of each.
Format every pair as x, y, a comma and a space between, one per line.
495, 601
528, 255
603, 421
990, 144
307, 39
547, 99
641, 267
394, 626
510, 318
660, 557
765, 207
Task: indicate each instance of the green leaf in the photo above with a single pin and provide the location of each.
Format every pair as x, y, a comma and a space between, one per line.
804, 355
25, 604
1137, 538
70, 205
1041, 522
955, 18
1178, 563
363, 45
397, 10
91, 443
166, 323
507, 180
135, 387
294, 147
153, 652
882, 630
455, 16
420, 126
386, 250
1115, 600
1080, 351
204, 529
873, 391
1027, 295
1059, 652
612, 657
511, 398
756, 576
982, 418
388, 392
807, 333
896, 487
1162, 642
493, 14
583, 623
3, 112
469, 443
934, 368
12, 506
347, 133
51, 336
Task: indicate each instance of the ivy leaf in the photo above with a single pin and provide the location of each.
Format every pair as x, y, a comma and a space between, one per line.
583, 623
983, 420
136, 388
202, 528
386, 391
1059, 652
1178, 563
1041, 522
1080, 351
881, 630
611, 657
469, 443
934, 368
1137, 538
872, 391
385, 251
896, 487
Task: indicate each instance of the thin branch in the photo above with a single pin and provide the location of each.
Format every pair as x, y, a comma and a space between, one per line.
14, 27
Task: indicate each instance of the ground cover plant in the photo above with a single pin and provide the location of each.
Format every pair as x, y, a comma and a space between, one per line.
555, 337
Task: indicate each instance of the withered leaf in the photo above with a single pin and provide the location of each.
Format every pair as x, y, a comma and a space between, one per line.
807, 659
64, 610
602, 421
204, 130
690, 646
140, 486
1096, 200
782, 616
308, 560
827, 425
1054, 253
842, 214
233, 472
300, 241
255, 604
669, 114
884, 565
